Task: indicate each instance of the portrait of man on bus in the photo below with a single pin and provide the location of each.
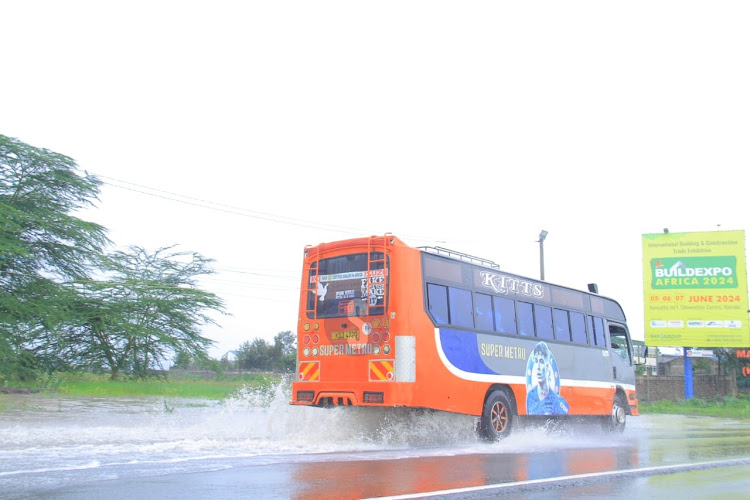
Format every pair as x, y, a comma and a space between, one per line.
543, 384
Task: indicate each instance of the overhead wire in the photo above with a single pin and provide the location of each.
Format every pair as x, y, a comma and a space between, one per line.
245, 212
221, 207
218, 284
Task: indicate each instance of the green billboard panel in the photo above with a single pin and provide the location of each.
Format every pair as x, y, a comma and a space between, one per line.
694, 272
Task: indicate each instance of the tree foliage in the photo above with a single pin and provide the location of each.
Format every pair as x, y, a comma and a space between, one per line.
41, 243
148, 308
729, 363
259, 355
64, 301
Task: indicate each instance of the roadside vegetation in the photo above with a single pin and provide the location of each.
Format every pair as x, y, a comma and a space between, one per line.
727, 407
220, 385
68, 299
71, 302
176, 386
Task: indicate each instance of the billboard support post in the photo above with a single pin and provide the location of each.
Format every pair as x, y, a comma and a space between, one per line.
688, 365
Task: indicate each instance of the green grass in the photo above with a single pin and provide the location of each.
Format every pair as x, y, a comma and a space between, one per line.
87, 384
728, 407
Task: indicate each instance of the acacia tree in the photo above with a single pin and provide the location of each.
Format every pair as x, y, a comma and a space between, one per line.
63, 303
42, 244
147, 309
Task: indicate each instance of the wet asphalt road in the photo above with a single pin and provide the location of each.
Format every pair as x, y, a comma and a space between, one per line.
656, 457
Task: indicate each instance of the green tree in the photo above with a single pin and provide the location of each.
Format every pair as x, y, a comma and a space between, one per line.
183, 361
260, 355
63, 303
729, 362
42, 245
148, 309
285, 351
255, 355
186, 361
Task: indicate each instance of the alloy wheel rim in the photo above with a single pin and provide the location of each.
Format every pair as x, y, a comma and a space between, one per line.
499, 417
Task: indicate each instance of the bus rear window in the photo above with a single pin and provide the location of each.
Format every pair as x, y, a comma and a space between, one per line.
343, 286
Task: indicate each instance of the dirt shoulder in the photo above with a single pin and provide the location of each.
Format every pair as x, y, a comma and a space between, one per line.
17, 390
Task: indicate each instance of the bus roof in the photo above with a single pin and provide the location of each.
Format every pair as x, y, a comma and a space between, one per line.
460, 256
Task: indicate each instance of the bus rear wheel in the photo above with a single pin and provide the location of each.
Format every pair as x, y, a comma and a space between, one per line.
615, 422
497, 417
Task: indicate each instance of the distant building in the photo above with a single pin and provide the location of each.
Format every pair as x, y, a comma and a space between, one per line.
671, 361
229, 356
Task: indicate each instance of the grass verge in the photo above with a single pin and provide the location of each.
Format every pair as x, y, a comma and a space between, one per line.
728, 407
87, 384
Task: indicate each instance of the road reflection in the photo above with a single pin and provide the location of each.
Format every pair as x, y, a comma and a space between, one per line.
376, 478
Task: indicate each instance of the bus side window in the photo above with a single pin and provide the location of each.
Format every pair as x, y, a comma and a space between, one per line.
505, 315
599, 331
596, 329
543, 317
459, 307
562, 324
578, 327
525, 319
483, 311
437, 302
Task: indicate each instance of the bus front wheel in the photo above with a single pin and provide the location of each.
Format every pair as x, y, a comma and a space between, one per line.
616, 420
497, 417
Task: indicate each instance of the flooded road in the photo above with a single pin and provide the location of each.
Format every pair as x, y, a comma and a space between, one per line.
254, 445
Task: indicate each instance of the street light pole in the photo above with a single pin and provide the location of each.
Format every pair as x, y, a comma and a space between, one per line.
542, 236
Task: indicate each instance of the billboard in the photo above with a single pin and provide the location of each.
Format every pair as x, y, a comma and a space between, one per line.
695, 289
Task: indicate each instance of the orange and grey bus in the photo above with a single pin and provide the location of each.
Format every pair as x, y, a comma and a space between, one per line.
383, 324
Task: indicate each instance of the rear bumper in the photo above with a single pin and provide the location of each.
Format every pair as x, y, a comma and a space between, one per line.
323, 398
368, 394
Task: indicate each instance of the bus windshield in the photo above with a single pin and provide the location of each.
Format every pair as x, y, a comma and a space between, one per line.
344, 286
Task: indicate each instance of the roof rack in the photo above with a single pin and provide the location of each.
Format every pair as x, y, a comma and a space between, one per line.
460, 256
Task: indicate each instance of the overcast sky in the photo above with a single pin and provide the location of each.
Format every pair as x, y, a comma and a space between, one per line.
246, 130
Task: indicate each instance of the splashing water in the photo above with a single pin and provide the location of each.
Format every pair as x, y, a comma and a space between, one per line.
59, 439
316, 430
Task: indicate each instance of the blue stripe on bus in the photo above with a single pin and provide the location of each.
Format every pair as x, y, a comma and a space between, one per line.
462, 351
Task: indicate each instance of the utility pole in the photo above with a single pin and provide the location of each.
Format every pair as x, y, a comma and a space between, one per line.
542, 237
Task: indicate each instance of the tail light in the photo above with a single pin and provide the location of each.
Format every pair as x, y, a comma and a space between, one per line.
305, 396
373, 397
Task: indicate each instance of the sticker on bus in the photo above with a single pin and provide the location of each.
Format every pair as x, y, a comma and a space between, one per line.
381, 370
309, 371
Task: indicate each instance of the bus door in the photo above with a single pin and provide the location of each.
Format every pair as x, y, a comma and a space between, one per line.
621, 354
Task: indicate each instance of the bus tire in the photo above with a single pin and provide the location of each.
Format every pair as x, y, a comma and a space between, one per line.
615, 422
497, 417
